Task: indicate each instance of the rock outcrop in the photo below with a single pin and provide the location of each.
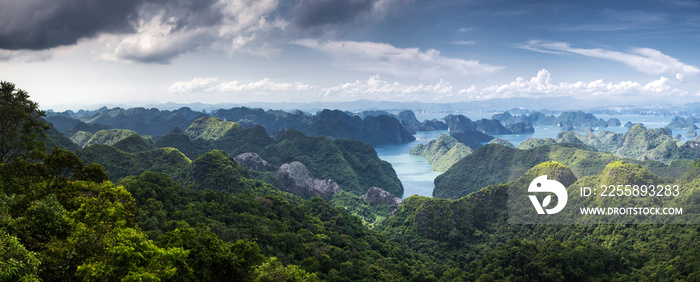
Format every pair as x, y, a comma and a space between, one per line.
297, 179
376, 196
253, 161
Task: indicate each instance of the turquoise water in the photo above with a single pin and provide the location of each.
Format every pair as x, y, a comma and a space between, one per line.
417, 175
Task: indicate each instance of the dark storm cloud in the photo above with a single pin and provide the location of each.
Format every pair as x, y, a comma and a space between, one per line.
42, 24
315, 13
336, 18
190, 13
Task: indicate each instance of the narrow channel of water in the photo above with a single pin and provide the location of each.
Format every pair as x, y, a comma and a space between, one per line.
415, 173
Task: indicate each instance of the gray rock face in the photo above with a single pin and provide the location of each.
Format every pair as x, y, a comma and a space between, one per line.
298, 180
376, 196
253, 161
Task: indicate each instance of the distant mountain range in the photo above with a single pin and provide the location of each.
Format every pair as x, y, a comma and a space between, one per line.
547, 105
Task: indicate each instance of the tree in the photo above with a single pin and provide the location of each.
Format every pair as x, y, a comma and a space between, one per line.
20, 125
126, 254
212, 258
273, 270
16, 262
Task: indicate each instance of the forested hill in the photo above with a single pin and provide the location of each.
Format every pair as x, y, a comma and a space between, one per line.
189, 208
474, 232
63, 220
375, 130
353, 165
495, 164
637, 143
585, 154
443, 152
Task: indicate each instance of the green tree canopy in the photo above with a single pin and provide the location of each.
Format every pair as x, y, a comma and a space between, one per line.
20, 124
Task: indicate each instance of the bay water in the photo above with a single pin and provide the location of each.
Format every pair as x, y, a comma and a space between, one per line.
417, 175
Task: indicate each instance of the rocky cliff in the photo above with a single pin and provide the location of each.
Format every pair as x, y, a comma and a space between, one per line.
298, 180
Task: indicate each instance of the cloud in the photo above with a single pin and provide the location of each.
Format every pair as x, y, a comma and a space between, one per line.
646, 60
43, 24
196, 84
312, 13
148, 31
465, 29
541, 85
617, 20
684, 3
156, 41
387, 59
26, 56
463, 42
334, 18
372, 88
377, 89
680, 76
165, 31
264, 85
157, 31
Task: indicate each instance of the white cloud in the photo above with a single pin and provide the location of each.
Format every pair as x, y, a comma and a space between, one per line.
245, 26
680, 76
657, 86
25, 56
156, 40
209, 84
264, 85
541, 85
196, 84
387, 59
375, 88
30, 56
646, 60
248, 23
463, 42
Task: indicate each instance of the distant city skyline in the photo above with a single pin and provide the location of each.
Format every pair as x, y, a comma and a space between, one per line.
69, 52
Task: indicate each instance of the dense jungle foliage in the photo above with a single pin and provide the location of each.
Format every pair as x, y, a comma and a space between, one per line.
179, 207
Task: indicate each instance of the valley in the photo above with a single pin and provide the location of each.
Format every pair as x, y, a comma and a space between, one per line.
319, 202
349, 140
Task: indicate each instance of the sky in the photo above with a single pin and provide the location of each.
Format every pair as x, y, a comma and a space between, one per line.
71, 53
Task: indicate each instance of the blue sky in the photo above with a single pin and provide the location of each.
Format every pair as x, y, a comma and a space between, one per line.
77, 52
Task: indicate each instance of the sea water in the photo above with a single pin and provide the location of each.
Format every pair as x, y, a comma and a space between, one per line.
417, 175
